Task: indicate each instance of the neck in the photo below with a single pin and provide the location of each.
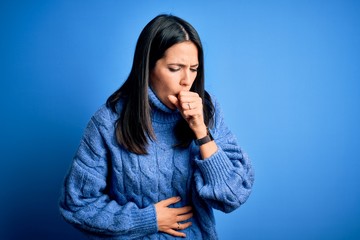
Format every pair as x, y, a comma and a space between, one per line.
160, 112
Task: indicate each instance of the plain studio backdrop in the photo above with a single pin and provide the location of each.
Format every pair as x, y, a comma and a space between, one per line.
287, 75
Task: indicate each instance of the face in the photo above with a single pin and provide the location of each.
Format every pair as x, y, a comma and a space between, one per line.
175, 71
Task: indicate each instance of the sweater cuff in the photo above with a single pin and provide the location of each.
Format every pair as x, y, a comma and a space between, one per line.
216, 168
146, 222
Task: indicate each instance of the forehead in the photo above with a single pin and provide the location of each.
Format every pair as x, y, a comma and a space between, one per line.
184, 52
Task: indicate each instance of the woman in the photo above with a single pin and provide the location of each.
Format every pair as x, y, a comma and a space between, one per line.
157, 158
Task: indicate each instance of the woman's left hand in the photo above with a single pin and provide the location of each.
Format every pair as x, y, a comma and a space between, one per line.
190, 106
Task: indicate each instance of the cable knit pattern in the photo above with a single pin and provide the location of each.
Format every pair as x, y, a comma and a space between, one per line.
109, 193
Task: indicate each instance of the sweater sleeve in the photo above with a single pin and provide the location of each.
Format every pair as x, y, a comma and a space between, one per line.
225, 179
85, 202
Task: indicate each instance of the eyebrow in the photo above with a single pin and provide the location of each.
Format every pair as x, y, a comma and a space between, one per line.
183, 65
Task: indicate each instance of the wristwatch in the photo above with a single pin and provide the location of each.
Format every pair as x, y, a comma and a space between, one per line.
205, 139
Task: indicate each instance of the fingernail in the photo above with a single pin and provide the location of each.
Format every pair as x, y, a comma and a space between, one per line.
178, 198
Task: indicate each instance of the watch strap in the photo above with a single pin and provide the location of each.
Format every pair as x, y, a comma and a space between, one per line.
206, 139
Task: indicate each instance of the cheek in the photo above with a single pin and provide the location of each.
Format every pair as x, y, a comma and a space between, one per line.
194, 77
157, 79
162, 82
169, 79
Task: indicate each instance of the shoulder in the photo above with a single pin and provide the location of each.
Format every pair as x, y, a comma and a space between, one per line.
217, 115
105, 116
213, 99
217, 112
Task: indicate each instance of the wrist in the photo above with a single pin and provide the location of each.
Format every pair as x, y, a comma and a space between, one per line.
201, 132
203, 140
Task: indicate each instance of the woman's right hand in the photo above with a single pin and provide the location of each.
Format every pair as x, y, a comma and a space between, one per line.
169, 219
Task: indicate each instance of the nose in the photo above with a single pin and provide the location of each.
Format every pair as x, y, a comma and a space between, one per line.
186, 78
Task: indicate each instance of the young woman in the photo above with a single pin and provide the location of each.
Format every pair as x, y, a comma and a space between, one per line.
157, 158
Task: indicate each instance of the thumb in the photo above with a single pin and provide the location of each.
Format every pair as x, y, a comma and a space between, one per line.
174, 100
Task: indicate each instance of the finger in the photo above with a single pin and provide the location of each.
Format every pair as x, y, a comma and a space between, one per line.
184, 217
182, 210
193, 115
183, 226
175, 233
188, 95
188, 105
174, 100
183, 94
169, 201
192, 100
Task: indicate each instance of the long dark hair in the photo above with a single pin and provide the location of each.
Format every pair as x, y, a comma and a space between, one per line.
133, 128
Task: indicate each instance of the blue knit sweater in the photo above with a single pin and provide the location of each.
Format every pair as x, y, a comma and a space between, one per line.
109, 193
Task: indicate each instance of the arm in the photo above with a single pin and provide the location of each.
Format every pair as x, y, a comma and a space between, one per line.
225, 178
85, 202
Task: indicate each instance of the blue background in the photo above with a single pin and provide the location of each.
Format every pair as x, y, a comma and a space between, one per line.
287, 75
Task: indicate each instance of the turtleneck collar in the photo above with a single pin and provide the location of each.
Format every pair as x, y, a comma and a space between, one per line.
160, 112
